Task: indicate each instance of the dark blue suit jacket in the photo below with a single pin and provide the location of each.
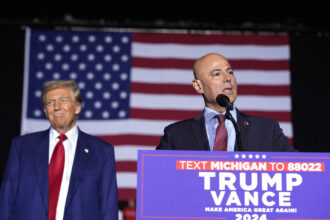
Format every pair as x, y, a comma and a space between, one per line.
258, 134
92, 192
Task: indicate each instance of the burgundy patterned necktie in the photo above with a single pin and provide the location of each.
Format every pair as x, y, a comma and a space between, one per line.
221, 136
55, 173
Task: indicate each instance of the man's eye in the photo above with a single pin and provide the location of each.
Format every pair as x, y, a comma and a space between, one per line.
49, 102
64, 100
231, 72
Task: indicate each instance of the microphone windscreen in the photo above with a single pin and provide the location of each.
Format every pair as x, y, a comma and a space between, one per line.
223, 100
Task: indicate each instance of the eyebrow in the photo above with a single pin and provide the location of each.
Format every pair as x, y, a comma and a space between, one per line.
61, 97
229, 68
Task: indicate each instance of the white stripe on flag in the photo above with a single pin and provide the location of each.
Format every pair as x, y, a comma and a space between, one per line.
257, 77
195, 51
178, 102
195, 102
174, 76
263, 103
150, 75
128, 153
126, 179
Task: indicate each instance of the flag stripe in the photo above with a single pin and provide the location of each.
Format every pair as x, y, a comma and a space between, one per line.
265, 103
162, 88
266, 78
126, 166
231, 52
194, 102
163, 114
131, 139
175, 76
127, 179
280, 116
232, 39
126, 194
129, 152
169, 63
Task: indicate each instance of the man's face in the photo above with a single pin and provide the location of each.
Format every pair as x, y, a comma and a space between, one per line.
215, 76
61, 109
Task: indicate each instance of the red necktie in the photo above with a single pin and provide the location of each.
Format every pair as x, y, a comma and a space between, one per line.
221, 136
55, 173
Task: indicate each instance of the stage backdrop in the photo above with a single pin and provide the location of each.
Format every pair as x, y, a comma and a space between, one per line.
134, 83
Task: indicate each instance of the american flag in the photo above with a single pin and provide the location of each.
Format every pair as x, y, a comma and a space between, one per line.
134, 83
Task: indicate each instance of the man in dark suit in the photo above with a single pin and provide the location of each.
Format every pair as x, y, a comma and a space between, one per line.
61, 173
213, 76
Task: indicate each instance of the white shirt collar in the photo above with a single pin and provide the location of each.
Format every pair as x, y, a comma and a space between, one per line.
210, 113
72, 134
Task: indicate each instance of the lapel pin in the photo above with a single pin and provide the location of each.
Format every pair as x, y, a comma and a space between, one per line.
245, 123
86, 150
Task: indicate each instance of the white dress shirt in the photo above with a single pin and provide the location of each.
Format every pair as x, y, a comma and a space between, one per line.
70, 145
211, 124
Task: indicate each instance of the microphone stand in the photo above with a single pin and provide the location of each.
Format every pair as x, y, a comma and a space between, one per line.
237, 129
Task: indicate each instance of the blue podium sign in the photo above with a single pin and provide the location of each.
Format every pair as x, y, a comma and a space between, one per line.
233, 185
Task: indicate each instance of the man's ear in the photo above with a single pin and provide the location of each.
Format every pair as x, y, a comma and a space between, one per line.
197, 84
45, 111
78, 108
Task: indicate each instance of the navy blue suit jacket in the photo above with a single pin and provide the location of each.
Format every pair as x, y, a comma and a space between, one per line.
92, 191
258, 134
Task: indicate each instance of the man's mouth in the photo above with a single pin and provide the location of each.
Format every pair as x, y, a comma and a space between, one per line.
59, 114
227, 90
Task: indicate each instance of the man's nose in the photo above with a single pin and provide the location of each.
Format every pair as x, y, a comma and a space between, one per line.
57, 105
227, 77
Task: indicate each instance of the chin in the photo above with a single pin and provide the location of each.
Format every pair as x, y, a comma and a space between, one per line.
60, 125
232, 98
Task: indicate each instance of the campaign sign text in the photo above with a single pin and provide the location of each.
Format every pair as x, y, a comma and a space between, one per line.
233, 185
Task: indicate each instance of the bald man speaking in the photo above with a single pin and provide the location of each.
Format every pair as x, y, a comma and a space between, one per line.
211, 130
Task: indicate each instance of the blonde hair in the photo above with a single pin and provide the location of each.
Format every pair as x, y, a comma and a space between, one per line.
69, 84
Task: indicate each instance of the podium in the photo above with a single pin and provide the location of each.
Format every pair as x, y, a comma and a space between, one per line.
233, 185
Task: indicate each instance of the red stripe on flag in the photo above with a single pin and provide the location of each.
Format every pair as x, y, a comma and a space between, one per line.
163, 63
260, 64
154, 88
125, 194
131, 139
268, 90
277, 116
161, 88
126, 166
163, 114
231, 39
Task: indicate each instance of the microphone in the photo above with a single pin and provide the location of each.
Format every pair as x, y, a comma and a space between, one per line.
223, 101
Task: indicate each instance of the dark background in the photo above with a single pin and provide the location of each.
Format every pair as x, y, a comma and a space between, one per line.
307, 23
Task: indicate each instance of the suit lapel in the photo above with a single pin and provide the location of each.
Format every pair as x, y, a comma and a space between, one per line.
244, 125
41, 155
199, 131
80, 164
